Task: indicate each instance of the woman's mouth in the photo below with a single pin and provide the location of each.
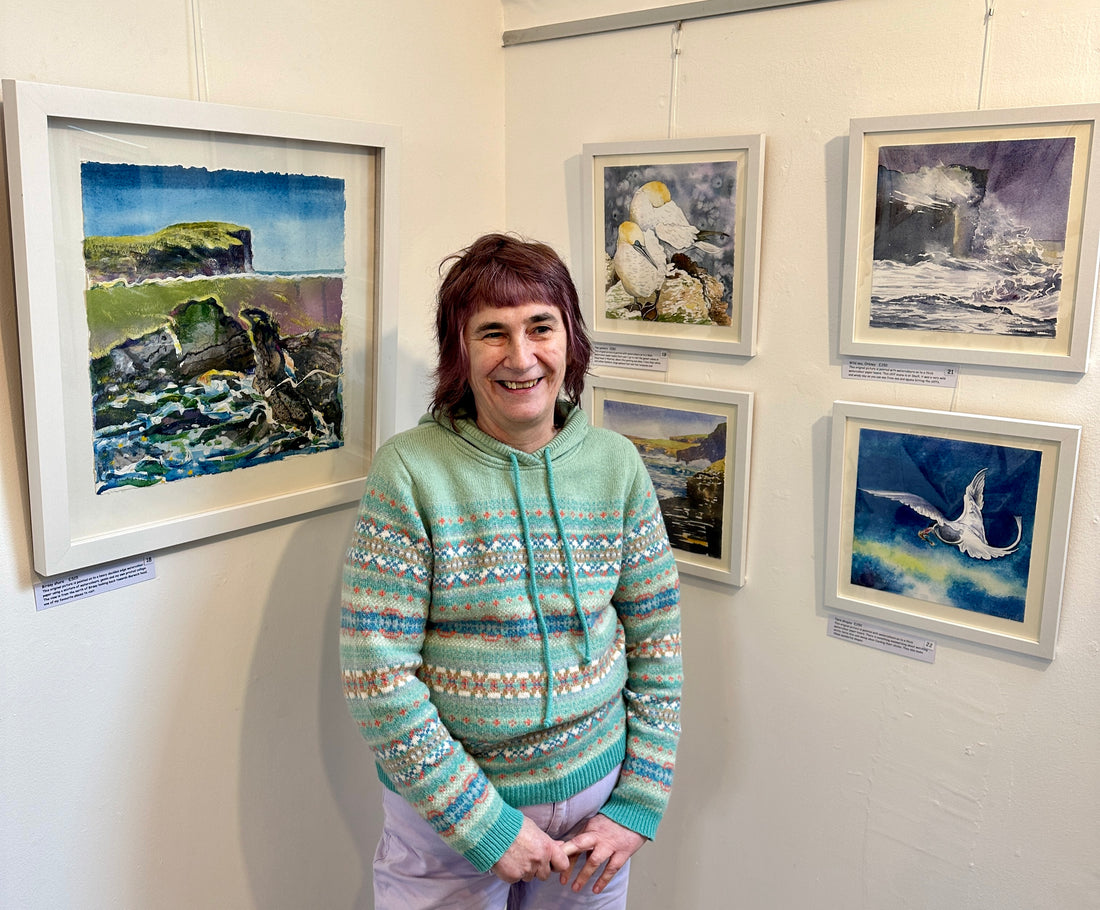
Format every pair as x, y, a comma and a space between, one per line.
515, 386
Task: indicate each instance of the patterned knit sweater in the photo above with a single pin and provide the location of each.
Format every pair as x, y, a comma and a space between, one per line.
482, 685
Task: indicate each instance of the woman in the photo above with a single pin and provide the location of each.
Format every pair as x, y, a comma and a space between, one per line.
510, 628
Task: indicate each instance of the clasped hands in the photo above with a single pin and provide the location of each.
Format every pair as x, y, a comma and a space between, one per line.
602, 842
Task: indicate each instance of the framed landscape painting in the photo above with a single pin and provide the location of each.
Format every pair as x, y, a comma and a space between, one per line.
950, 523
671, 242
202, 292
696, 444
972, 237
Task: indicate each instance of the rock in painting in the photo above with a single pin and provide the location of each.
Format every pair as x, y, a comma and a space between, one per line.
210, 339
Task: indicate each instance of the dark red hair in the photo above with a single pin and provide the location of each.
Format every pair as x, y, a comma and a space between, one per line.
500, 270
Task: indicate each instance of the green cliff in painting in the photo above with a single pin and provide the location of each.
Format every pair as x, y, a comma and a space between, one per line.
177, 251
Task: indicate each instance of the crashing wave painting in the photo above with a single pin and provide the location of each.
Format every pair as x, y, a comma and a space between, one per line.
970, 236
214, 302
945, 521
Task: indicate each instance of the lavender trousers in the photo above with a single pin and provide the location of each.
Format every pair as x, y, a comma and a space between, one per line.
415, 870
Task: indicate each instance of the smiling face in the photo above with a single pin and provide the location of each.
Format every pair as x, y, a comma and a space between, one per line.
517, 360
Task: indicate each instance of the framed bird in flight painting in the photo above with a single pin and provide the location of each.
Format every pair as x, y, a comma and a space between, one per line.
950, 523
671, 242
203, 292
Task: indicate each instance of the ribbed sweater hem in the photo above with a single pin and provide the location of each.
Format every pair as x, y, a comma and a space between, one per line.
629, 815
555, 791
492, 846
497, 840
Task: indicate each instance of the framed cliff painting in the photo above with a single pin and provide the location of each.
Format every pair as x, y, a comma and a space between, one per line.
695, 443
205, 295
671, 242
972, 237
955, 524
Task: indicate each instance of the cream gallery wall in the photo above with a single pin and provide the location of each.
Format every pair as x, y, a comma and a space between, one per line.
850, 739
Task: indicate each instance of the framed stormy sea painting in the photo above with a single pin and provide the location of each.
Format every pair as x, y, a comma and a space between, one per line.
972, 237
202, 294
952, 523
672, 242
695, 444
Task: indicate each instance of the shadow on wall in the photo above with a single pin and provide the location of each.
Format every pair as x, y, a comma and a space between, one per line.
667, 872
310, 804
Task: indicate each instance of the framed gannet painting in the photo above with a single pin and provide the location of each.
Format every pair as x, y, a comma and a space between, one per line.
972, 237
203, 292
950, 523
671, 242
695, 444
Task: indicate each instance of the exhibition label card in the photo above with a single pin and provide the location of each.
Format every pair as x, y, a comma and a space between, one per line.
629, 356
99, 580
862, 633
933, 374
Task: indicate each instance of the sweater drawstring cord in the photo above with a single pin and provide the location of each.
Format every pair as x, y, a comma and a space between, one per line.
570, 569
533, 592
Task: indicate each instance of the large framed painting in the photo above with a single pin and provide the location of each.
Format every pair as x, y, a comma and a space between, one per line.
203, 293
972, 237
950, 523
671, 236
695, 443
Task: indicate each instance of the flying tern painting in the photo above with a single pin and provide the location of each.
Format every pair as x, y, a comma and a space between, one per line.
967, 532
945, 521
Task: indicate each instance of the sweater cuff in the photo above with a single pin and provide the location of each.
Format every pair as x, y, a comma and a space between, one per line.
637, 818
497, 839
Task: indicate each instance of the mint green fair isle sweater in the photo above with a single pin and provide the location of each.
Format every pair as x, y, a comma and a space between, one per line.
510, 631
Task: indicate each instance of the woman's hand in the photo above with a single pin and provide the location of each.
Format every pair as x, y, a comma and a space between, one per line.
604, 841
533, 854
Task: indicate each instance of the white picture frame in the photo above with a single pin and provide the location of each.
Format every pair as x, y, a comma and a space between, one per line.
972, 237
707, 299
954, 524
708, 533
53, 134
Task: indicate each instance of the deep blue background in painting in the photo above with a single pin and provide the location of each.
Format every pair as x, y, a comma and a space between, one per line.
939, 470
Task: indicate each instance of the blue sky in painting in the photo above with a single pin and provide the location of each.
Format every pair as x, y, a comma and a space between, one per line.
297, 220
632, 419
889, 556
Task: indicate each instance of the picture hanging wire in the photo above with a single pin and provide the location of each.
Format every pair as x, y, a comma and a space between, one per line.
985, 51
674, 88
198, 50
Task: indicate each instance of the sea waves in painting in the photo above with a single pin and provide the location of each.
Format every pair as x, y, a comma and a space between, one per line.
219, 384
684, 454
200, 363
970, 237
1015, 296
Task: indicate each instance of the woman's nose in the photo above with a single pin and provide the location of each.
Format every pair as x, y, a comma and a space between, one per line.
521, 353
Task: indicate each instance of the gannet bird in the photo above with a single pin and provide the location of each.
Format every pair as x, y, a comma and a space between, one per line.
967, 532
652, 208
639, 261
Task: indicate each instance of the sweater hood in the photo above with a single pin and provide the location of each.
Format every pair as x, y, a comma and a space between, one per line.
572, 421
